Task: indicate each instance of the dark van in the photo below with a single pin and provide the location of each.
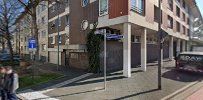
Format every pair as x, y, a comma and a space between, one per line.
190, 61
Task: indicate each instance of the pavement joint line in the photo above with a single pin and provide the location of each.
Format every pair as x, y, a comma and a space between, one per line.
29, 92
65, 83
168, 97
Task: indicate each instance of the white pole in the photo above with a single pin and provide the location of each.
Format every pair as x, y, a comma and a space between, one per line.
105, 59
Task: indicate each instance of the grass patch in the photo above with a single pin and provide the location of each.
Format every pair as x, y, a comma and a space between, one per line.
27, 81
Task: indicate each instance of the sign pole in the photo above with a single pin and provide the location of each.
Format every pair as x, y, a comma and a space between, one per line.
104, 59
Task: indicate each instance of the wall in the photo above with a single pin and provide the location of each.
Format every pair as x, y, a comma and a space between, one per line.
115, 54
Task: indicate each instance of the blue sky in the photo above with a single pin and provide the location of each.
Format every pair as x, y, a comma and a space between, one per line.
200, 5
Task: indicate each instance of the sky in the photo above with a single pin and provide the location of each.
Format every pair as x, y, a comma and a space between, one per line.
200, 5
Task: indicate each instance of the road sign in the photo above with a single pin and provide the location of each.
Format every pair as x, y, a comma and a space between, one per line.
114, 37
32, 45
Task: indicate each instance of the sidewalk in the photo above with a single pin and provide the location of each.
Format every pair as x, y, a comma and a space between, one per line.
197, 95
65, 71
192, 92
141, 86
70, 75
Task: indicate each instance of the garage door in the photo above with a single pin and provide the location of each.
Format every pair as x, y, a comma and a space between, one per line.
53, 57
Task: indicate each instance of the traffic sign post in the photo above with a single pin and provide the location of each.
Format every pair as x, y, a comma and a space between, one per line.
32, 45
107, 37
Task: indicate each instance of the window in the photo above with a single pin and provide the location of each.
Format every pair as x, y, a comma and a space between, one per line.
156, 14
25, 48
43, 6
178, 1
52, 41
44, 47
43, 20
67, 20
183, 29
67, 3
43, 34
170, 3
84, 25
170, 22
21, 39
38, 10
21, 48
178, 26
137, 39
103, 7
132, 38
184, 4
188, 32
53, 8
84, 3
60, 39
188, 21
183, 17
177, 11
137, 6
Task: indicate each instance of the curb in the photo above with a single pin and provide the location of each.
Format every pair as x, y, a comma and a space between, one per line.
168, 97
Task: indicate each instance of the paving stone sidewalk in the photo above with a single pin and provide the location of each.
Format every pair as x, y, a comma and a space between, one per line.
141, 86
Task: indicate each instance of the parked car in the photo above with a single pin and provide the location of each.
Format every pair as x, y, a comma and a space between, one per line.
6, 57
190, 61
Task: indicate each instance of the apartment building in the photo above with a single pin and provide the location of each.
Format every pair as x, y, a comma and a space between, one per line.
42, 22
136, 20
62, 11
21, 36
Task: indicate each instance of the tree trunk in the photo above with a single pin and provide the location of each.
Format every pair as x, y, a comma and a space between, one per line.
35, 31
10, 48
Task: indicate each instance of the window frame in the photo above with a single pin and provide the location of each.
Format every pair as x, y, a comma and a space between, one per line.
171, 22
107, 9
178, 26
136, 8
178, 11
83, 4
53, 40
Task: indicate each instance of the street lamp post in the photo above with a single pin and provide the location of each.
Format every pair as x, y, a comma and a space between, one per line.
19, 42
160, 47
58, 5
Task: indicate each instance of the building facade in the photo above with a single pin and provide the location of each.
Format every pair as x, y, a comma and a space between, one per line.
136, 20
21, 36
42, 23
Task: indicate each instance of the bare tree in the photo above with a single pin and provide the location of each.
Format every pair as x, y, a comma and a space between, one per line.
30, 8
2, 42
9, 11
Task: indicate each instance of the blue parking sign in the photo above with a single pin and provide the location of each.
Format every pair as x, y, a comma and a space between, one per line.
32, 45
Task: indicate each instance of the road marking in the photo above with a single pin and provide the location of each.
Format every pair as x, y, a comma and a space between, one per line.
34, 95
179, 91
